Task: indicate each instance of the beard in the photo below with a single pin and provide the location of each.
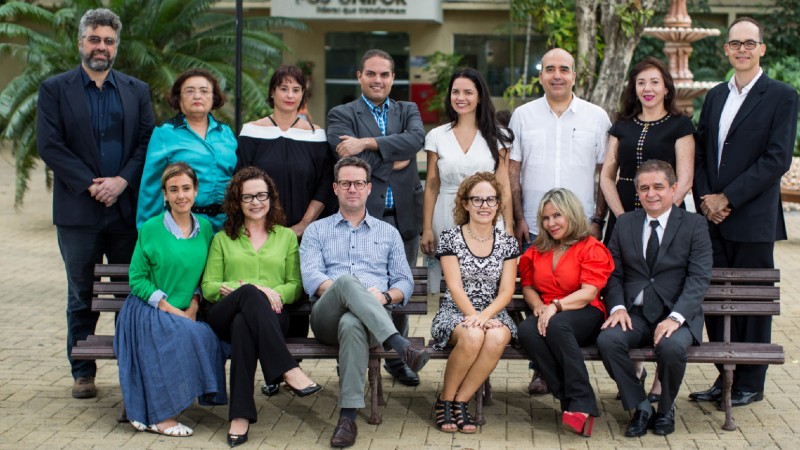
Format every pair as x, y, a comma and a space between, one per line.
95, 64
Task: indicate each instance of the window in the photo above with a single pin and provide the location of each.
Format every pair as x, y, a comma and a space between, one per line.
492, 55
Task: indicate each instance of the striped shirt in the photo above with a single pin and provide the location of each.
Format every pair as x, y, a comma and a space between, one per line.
372, 252
379, 113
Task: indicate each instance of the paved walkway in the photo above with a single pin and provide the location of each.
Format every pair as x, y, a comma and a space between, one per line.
37, 411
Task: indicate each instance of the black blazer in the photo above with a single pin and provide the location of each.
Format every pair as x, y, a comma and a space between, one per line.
66, 143
757, 152
405, 136
682, 271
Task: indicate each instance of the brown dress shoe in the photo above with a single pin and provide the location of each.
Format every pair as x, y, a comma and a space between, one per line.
344, 435
538, 386
84, 388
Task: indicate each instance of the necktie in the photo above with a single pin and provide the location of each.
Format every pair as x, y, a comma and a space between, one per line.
652, 306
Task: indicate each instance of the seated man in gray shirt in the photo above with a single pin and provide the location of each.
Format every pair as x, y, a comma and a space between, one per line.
355, 267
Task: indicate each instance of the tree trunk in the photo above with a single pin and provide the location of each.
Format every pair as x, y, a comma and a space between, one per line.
617, 54
586, 55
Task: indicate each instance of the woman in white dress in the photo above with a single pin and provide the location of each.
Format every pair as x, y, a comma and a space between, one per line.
472, 142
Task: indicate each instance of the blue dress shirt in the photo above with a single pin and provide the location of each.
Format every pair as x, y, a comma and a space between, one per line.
212, 158
105, 108
372, 252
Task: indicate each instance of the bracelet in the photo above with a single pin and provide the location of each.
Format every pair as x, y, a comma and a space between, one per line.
598, 221
557, 302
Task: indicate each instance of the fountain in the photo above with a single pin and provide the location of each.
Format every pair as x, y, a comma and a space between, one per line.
678, 35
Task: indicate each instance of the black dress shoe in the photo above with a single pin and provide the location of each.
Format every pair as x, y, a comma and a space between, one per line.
403, 374
741, 398
665, 423
237, 439
344, 435
416, 358
711, 394
311, 389
642, 420
270, 389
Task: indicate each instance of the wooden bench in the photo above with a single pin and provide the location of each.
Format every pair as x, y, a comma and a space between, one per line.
790, 195
733, 292
111, 288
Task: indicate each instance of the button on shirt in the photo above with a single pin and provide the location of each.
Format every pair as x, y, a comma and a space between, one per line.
558, 151
732, 105
105, 108
379, 113
646, 230
372, 252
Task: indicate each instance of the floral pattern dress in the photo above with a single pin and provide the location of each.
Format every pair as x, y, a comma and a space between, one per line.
479, 276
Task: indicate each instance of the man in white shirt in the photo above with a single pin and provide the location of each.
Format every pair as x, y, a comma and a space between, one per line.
745, 138
559, 141
662, 268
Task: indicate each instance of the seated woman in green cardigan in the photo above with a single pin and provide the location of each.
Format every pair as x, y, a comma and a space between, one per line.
253, 269
167, 358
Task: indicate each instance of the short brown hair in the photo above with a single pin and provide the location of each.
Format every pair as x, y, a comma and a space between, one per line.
749, 20
460, 214
175, 169
174, 99
373, 53
282, 73
232, 204
568, 204
351, 161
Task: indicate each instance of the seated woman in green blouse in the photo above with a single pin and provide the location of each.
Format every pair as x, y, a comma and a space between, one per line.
253, 269
166, 358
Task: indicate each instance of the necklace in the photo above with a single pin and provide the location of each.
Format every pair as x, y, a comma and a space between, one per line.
479, 239
564, 247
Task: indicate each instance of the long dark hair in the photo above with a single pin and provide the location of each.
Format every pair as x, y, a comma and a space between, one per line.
232, 205
497, 136
631, 107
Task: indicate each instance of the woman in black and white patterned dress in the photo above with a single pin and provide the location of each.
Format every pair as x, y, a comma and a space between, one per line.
479, 266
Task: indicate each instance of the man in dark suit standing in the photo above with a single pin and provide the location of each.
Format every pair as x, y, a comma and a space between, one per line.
387, 134
92, 129
744, 141
662, 268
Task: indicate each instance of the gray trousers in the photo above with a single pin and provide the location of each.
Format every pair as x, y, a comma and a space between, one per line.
349, 316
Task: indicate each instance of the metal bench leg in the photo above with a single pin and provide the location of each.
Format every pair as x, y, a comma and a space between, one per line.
375, 390
487, 393
122, 416
479, 405
729, 425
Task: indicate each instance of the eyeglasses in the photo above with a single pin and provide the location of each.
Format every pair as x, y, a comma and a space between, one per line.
345, 184
261, 196
477, 202
189, 92
748, 44
94, 40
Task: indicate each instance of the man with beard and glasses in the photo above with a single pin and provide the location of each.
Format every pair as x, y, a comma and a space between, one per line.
92, 129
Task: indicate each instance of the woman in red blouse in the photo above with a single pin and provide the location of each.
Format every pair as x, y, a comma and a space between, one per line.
562, 275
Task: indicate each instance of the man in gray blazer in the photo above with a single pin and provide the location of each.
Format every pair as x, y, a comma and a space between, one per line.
387, 134
662, 268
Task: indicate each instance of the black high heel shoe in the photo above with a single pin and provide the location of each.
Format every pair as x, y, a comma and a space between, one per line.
311, 389
238, 439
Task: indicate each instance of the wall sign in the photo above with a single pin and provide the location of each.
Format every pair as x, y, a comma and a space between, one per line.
405, 10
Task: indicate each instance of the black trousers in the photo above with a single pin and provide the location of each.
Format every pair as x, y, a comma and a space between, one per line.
558, 355
614, 345
256, 334
758, 329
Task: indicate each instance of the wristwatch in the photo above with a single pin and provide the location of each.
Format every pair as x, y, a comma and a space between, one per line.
388, 298
598, 221
675, 318
557, 302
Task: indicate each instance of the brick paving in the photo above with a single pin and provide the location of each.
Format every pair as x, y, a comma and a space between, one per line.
37, 411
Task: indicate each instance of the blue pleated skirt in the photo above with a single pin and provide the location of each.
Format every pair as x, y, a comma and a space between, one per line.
165, 362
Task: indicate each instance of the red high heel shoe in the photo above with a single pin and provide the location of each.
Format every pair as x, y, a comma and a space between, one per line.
580, 423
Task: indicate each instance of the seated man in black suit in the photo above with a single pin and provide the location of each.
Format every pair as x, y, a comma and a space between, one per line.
662, 268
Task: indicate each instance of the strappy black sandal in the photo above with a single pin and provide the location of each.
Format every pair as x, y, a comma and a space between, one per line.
444, 414
463, 419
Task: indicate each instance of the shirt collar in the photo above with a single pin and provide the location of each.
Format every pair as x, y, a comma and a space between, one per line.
109, 79
180, 121
339, 218
173, 227
746, 89
573, 104
662, 219
372, 107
